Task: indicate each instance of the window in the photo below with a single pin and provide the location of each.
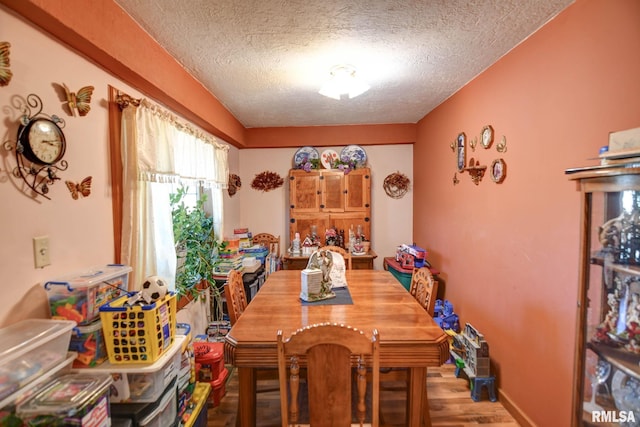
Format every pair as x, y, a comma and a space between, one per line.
158, 152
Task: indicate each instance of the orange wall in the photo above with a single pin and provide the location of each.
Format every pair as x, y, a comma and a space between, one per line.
509, 252
331, 135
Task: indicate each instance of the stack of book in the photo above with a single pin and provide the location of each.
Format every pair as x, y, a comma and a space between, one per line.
244, 237
229, 259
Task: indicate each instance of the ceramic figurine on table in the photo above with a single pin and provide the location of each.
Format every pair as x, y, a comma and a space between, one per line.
323, 261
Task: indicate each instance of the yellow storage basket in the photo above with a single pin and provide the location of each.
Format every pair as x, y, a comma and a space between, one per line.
138, 333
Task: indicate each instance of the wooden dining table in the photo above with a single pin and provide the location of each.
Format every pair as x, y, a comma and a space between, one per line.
409, 338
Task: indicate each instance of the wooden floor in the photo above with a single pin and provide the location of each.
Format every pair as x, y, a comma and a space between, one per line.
449, 402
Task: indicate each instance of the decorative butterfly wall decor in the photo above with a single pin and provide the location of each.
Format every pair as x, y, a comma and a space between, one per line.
5, 72
79, 101
82, 189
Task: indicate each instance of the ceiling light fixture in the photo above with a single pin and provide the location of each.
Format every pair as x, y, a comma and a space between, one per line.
343, 81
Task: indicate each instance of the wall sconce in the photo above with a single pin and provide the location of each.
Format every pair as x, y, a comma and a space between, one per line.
343, 81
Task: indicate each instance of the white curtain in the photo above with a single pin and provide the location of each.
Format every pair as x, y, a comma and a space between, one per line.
159, 151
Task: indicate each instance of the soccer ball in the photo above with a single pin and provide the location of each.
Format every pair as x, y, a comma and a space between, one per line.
153, 289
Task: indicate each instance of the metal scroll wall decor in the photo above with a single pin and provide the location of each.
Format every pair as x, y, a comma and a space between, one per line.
476, 170
40, 146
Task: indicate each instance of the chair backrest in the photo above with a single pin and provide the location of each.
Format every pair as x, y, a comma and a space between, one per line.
329, 350
424, 288
235, 295
345, 254
269, 241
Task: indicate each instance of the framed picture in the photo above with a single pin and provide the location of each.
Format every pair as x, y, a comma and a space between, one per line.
461, 151
487, 136
498, 170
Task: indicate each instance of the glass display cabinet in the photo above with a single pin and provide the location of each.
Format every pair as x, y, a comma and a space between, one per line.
607, 358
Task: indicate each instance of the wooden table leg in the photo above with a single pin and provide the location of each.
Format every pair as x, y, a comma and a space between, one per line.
246, 397
418, 405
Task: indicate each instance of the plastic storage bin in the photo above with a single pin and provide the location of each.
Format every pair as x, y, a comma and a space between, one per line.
88, 342
7, 405
403, 275
161, 413
196, 414
69, 400
30, 348
136, 383
139, 333
79, 296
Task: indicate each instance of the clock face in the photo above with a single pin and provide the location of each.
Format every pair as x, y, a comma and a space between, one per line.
44, 141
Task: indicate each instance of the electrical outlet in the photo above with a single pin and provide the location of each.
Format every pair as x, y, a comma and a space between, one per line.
41, 251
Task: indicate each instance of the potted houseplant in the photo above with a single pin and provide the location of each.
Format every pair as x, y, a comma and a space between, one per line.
196, 249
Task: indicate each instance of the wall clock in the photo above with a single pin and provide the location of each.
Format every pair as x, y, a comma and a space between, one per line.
42, 141
40, 146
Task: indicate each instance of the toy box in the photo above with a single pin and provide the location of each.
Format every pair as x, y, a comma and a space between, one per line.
160, 413
88, 342
136, 383
138, 333
8, 403
196, 414
30, 348
70, 400
79, 296
417, 253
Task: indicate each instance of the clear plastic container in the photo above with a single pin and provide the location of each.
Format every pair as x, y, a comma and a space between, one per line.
88, 342
69, 400
135, 383
8, 403
29, 348
79, 296
160, 413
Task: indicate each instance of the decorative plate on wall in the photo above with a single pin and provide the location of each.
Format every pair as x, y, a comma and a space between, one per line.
355, 153
303, 154
328, 157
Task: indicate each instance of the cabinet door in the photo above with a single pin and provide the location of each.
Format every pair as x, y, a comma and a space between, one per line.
301, 223
332, 189
607, 359
304, 191
357, 190
345, 221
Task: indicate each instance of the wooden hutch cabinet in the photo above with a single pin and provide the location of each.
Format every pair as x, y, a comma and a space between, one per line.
607, 358
329, 198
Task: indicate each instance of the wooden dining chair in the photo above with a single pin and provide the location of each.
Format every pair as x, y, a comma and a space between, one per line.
269, 241
328, 351
235, 295
345, 254
424, 288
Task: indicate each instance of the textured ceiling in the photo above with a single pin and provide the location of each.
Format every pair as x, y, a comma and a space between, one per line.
265, 60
